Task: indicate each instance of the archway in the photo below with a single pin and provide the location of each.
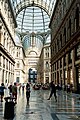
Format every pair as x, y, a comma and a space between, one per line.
32, 75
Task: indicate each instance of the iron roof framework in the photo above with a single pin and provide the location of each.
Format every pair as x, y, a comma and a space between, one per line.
33, 17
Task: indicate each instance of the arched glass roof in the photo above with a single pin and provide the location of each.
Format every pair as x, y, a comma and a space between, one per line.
33, 19
33, 15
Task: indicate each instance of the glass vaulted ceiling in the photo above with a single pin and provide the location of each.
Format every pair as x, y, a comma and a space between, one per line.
33, 15
33, 19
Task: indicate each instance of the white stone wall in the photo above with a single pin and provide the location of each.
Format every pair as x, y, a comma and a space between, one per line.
19, 65
44, 72
7, 45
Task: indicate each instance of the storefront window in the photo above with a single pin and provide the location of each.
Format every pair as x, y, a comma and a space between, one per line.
57, 64
61, 74
60, 62
65, 74
71, 77
52, 68
78, 74
53, 76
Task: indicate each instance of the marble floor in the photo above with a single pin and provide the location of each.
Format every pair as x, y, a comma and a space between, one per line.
67, 106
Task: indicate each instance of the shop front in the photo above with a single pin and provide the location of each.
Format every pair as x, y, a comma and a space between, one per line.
78, 78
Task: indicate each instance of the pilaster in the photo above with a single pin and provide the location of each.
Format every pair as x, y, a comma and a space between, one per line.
74, 69
67, 68
63, 82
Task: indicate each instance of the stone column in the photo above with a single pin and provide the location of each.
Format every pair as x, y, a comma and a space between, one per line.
67, 68
56, 72
1, 71
63, 82
4, 79
8, 77
44, 78
50, 77
1, 76
74, 70
59, 71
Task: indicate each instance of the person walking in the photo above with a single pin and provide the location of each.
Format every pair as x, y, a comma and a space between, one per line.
14, 92
53, 91
2, 87
68, 88
27, 92
23, 86
10, 89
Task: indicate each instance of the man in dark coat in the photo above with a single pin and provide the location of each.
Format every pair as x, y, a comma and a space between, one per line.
53, 91
27, 92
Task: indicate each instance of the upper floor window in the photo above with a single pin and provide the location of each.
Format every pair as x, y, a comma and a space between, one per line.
18, 64
77, 52
47, 65
55, 66
18, 73
70, 57
64, 60
18, 54
48, 54
64, 35
69, 27
77, 18
60, 43
60, 63
4, 62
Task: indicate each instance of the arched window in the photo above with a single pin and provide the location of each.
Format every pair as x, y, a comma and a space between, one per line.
32, 53
18, 64
47, 65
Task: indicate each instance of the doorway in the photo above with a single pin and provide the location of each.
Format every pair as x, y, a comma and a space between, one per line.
32, 75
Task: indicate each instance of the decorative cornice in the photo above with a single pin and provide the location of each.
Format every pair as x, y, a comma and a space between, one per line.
2, 17
14, 18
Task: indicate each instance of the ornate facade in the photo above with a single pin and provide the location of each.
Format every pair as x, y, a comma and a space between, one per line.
43, 66
7, 44
19, 70
65, 43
